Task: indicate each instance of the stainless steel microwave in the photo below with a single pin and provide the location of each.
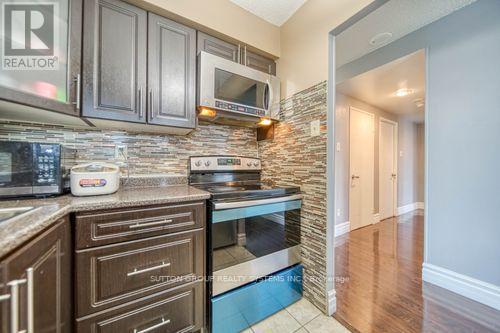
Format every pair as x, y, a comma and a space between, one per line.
33, 169
236, 90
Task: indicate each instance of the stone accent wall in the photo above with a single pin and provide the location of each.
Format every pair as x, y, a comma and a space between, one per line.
148, 153
293, 157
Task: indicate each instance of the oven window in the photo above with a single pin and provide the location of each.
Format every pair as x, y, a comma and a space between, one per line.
244, 239
235, 88
5, 167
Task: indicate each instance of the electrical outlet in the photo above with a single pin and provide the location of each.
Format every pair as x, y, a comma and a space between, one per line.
121, 152
315, 127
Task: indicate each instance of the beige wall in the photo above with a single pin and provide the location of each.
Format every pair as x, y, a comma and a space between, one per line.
304, 42
220, 17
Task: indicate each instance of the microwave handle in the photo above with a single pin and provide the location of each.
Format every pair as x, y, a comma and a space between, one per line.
269, 97
265, 97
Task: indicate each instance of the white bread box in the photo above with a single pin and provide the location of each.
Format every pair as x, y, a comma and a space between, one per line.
94, 179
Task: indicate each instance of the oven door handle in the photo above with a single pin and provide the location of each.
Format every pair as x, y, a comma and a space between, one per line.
258, 202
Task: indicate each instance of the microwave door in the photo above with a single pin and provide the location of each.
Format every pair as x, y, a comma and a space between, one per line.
16, 168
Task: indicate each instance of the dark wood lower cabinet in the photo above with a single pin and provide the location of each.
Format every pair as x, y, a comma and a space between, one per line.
37, 278
108, 276
141, 269
177, 310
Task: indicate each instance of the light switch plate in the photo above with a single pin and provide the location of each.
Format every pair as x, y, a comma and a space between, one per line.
338, 146
315, 127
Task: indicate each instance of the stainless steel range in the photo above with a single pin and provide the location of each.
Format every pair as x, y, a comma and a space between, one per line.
253, 241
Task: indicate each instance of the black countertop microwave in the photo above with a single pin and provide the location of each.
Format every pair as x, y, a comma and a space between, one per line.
33, 169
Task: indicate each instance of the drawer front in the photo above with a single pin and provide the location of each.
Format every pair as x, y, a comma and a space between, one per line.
178, 311
111, 275
114, 226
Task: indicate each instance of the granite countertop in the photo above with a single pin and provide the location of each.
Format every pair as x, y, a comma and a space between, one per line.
16, 231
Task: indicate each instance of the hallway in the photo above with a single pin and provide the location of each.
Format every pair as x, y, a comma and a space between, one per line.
379, 288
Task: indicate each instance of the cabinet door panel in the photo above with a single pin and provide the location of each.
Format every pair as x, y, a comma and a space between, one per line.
218, 47
52, 85
260, 63
171, 80
114, 61
49, 255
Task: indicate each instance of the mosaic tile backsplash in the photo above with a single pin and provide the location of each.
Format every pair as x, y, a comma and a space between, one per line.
147, 153
293, 157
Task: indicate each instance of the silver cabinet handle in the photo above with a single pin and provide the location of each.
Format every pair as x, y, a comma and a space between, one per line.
4, 297
239, 54
145, 270
31, 300
78, 88
246, 56
14, 304
151, 104
141, 111
149, 329
149, 224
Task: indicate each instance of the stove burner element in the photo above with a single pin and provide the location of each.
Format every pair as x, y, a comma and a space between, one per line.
220, 189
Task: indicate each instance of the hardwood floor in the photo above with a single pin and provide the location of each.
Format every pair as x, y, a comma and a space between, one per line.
379, 288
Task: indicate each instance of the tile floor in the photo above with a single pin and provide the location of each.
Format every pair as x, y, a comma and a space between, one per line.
300, 317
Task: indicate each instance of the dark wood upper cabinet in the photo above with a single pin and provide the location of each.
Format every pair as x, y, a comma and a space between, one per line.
218, 47
56, 87
172, 73
41, 270
114, 61
260, 63
235, 53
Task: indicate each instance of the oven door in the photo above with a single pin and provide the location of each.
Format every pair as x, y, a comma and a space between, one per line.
237, 89
253, 239
16, 168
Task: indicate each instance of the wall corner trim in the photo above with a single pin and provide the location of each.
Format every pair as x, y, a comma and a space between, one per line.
342, 228
331, 302
477, 290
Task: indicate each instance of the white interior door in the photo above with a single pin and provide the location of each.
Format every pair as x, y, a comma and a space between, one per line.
387, 168
361, 193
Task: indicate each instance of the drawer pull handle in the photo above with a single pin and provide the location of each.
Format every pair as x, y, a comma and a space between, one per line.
149, 329
14, 304
149, 224
145, 270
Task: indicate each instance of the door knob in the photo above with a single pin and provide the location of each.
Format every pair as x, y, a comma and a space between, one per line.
354, 177
393, 175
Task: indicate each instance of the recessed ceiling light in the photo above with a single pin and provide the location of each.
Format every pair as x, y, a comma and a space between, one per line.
380, 38
403, 92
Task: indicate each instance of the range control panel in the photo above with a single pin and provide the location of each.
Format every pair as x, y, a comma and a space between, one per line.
224, 163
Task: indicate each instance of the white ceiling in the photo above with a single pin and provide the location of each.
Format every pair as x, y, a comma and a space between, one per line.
377, 87
399, 17
276, 12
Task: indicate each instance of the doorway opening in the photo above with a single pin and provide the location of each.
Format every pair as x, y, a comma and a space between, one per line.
379, 186
379, 126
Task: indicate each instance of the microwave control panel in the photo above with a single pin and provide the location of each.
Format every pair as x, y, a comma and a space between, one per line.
239, 108
46, 164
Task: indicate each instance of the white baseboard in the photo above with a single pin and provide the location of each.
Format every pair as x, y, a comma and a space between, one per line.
410, 208
464, 285
376, 218
342, 228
